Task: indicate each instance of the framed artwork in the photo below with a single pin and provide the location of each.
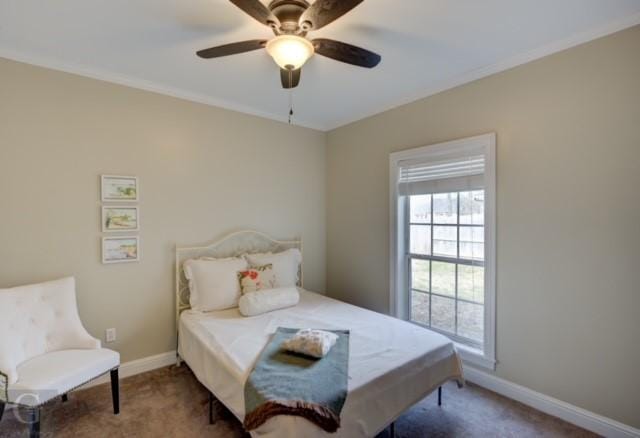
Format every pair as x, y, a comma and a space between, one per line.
120, 218
120, 249
119, 188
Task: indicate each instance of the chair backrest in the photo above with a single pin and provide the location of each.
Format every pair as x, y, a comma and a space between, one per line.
38, 319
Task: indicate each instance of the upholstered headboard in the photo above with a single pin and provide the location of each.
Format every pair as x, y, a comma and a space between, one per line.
232, 245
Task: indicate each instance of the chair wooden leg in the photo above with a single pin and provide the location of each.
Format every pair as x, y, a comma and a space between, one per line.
439, 395
1, 410
34, 423
65, 398
211, 408
115, 391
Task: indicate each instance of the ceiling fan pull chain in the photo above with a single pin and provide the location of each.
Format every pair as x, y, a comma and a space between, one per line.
290, 100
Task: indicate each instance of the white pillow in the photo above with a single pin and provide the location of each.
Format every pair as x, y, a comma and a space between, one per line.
213, 283
285, 265
263, 301
315, 343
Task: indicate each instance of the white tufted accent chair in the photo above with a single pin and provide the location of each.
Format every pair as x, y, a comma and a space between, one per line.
45, 351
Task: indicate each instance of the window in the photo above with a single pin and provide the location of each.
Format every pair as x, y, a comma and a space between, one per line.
446, 263
442, 238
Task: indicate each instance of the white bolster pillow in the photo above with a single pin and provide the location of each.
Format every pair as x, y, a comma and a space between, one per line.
267, 300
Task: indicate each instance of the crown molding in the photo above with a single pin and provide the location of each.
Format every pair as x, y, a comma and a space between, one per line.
143, 84
473, 75
515, 61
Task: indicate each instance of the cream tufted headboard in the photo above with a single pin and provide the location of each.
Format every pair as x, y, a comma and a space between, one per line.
232, 245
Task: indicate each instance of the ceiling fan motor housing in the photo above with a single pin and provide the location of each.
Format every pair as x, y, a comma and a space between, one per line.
288, 12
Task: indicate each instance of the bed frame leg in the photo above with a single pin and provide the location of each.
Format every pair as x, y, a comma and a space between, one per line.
439, 395
211, 408
392, 430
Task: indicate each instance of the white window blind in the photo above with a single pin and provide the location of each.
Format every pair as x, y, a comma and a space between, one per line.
446, 174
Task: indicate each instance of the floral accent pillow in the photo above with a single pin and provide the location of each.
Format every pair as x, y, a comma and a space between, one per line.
315, 343
257, 278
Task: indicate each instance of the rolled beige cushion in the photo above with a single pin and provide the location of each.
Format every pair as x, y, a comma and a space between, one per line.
268, 300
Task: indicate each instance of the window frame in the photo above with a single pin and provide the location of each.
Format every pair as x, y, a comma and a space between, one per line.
399, 239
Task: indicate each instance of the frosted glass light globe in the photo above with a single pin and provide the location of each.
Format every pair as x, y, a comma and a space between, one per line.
290, 52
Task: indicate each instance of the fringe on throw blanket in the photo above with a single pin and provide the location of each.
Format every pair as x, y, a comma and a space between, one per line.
321, 416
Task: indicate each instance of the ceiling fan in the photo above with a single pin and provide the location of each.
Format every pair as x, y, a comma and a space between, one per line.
290, 21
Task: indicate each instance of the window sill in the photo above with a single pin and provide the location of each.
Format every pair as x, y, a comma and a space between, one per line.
475, 357
468, 354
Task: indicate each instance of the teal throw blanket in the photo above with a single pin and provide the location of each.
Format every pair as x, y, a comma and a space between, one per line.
286, 383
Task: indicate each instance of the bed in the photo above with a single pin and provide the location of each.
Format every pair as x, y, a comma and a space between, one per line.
392, 364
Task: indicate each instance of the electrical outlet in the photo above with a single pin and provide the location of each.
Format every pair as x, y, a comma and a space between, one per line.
110, 335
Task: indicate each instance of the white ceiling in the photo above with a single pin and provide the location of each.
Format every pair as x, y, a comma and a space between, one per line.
426, 46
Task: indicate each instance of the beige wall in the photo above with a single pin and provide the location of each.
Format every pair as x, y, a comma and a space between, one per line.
568, 215
568, 206
203, 172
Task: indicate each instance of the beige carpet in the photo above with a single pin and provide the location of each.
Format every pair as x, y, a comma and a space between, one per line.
170, 402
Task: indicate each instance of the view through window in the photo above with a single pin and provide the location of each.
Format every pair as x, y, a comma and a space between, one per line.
446, 263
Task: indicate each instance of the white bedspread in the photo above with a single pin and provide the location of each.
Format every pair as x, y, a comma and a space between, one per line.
392, 364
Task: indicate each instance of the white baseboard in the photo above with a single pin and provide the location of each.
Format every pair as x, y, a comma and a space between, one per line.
549, 405
138, 366
580, 417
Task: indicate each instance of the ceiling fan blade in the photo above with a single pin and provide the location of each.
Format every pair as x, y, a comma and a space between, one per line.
290, 78
231, 49
344, 52
257, 10
323, 12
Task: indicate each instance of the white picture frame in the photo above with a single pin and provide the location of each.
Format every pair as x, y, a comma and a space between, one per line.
117, 218
120, 249
119, 188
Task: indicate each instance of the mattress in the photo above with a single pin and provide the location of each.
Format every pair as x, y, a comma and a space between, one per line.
392, 364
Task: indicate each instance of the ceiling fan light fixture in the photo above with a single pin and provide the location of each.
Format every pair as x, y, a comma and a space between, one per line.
290, 52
